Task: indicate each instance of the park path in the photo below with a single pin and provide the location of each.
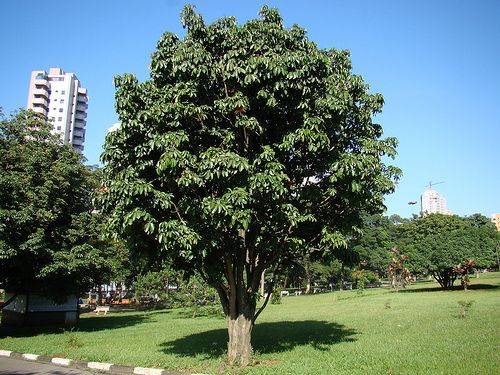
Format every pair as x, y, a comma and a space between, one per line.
13, 366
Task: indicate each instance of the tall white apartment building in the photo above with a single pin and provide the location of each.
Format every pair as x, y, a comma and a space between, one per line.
495, 218
433, 203
59, 96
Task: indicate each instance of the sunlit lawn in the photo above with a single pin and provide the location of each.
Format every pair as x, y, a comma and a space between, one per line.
418, 331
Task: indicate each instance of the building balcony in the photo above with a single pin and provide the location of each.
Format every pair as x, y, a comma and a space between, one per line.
78, 133
40, 101
80, 115
42, 81
81, 107
41, 92
82, 98
77, 141
79, 124
40, 109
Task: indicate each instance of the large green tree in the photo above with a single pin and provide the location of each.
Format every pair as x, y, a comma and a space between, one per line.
437, 244
248, 146
371, 249
49, 237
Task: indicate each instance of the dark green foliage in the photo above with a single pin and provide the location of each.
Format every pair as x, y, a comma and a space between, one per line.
437, 244
276, 296
370, 249
247, 147
244, 132
169, 288
48, 235
155, 286
309, 272
440, 245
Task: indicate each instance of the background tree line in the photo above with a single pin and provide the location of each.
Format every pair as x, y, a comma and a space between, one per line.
51, 236
434, 245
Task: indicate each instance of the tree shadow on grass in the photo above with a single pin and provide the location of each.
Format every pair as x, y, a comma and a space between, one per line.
89, 324
456, 287
266, 338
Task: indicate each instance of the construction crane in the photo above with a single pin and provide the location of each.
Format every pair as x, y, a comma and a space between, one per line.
431, 184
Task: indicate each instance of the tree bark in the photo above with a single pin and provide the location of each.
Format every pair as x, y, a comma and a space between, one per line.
239, 299
239, 347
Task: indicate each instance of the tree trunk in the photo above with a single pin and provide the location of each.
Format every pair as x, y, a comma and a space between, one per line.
342, 275
98, 301
446, 278
239, 347
239, 304
262, 284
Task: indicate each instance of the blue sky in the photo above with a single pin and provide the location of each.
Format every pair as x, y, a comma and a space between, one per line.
437, 63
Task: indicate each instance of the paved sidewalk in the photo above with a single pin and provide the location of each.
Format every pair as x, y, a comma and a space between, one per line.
85, 367
15, 366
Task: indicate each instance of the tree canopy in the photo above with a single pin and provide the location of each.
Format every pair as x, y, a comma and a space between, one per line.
438, 243
248, 146
48, 235
371, 249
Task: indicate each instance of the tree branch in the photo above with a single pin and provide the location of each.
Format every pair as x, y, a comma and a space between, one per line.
178, 213
269, 292
223, 296
232, 287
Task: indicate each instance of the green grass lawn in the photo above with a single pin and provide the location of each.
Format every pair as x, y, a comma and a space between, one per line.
420, 330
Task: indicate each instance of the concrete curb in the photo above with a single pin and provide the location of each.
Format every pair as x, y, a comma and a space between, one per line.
107, 368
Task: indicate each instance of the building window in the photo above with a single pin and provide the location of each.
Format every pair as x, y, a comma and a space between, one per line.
59, 119
58, 128
61, 101
63, 92
60, 109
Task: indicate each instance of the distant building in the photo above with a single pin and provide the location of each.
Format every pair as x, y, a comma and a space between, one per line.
433, 203
60, 97
495, 218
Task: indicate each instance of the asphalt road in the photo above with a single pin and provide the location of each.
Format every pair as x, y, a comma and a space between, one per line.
12, 366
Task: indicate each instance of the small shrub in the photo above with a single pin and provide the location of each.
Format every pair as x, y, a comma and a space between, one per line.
360, 287
71, 339
463, 270
465, 306
360, 279
276, 297
398, 273
198, 311
154, 291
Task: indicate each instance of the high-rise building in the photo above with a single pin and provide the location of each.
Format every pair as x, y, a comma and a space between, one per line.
60, 97
495, 218
433, 203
